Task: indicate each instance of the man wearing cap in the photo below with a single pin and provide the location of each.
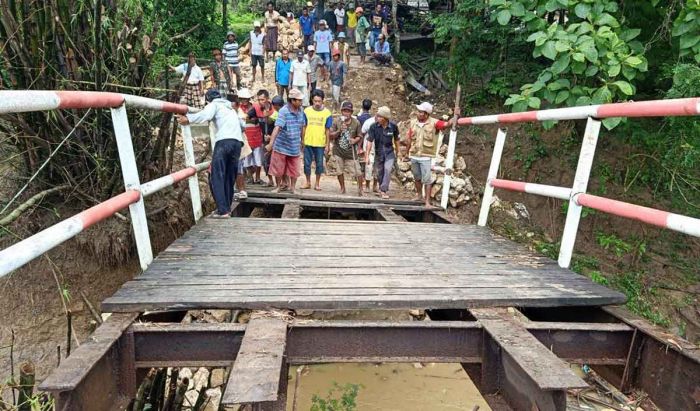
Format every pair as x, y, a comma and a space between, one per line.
257, 49
306, 25
338, 71
317, 122
285, 141
283, 66
220, 73
385, 136
314, 63
361, 33
424, 143
346, 136
272, 17
301, 76
227, 147
230, 52
322, 44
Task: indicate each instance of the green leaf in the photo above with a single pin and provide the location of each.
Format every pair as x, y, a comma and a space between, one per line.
624, 87
562, 96
583, 101
497, 2
630, 34
680, 29
537, 35
503, 17
633, 61
561, 64
517, 9
534, 102
629, 72
561, 46
559, 84
582, 10
688, 41
591, 71
552, 5
614, 70
612, 122
579, 57
607, 20
690, 16
602, 95
520, 106
549, 50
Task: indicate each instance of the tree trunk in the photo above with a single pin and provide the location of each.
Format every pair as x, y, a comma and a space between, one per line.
397, 35
224, 4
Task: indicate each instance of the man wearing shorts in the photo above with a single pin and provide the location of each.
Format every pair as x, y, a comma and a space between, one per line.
285, 141
317, 123
423, 143
257, 50
346, 136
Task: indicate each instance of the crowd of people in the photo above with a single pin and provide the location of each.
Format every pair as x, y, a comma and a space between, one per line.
295, 132
284, 139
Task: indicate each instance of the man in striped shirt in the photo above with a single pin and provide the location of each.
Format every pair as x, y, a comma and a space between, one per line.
230, 52
285, 141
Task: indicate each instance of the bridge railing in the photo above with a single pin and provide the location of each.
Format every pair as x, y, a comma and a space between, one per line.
576, 195
28, 249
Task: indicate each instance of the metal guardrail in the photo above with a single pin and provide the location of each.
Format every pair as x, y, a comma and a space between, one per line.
576, 195
28, 249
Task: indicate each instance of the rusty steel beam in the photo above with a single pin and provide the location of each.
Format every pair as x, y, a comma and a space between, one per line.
99, 374
664, 365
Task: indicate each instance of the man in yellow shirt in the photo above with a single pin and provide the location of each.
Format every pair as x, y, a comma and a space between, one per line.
352, 23
316, 132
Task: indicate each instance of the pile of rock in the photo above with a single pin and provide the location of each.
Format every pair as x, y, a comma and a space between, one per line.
289, 37
461, 189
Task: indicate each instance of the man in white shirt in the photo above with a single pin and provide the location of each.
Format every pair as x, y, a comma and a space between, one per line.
339, 18
301, 76
257, 49
227, 147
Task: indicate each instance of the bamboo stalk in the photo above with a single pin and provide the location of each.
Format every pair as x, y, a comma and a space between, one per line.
172, 387
95, 314
180, 394
69, 319
144, 390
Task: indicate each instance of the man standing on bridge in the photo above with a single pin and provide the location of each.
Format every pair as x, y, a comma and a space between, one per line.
227, 147
385, 136
285, 141
423, 143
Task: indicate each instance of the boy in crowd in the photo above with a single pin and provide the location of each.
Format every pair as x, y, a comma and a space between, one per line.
317, 124
338, 70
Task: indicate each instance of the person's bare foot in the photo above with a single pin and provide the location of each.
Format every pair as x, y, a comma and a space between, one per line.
305, 186
417, 198
342, 191
385, 196
317, 188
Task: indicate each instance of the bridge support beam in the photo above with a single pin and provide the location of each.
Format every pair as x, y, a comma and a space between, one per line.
130, 173
583, 172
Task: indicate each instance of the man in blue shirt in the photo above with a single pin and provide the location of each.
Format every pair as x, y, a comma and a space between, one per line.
285, 141
306, 24
382, 54
282, 67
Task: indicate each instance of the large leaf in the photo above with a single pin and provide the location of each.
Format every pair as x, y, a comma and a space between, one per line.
612, 122
549, 50
682, 28
602, 95
536, 36
534, 102
689, 40
633, 61
561, 64
561, 97
614, 70
630, 34
582, 10
607, 20
624, 87
517, 9
562, 46
503, 17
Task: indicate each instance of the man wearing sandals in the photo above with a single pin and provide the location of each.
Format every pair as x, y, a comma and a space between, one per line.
285, 141
385, 136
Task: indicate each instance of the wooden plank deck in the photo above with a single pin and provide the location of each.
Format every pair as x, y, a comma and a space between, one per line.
251, 263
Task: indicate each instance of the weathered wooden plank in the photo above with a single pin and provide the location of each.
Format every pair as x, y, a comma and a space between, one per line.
334, 204
532, 375
291, 210
255, 376
326, 197
387, 214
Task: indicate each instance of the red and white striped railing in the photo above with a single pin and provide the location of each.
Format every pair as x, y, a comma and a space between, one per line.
576, 195
32, 247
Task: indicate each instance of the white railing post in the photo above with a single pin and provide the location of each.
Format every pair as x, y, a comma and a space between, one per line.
194, 180
583, 172
449, 163
130, 173
493, 173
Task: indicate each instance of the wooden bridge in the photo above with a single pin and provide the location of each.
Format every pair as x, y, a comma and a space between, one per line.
514, 320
